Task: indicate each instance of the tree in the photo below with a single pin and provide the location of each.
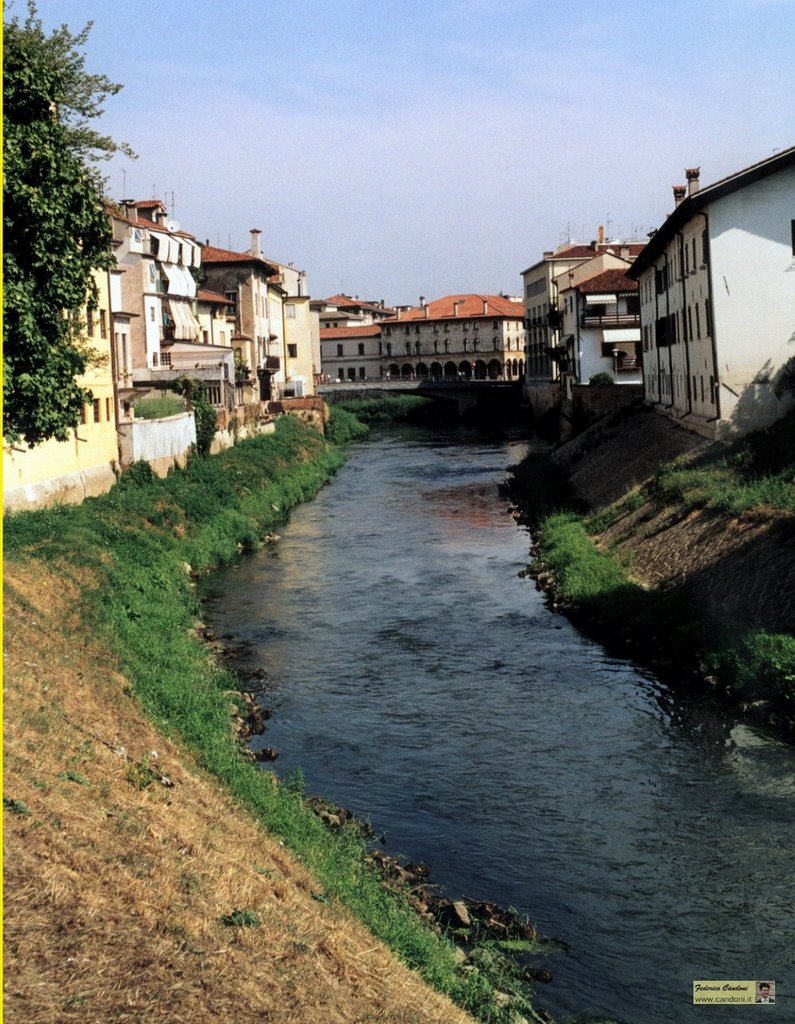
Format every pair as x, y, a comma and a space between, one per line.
56, 230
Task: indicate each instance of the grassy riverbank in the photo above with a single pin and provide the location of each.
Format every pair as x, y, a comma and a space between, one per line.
127, 559
631, 572
389, 409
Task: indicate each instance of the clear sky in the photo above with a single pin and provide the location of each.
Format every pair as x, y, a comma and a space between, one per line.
398, 148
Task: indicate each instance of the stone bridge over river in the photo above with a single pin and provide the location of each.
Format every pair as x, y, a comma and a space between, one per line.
468, 394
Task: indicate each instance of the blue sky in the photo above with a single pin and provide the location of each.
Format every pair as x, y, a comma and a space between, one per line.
397, 148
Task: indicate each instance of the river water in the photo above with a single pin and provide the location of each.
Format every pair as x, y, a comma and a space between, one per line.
417, 679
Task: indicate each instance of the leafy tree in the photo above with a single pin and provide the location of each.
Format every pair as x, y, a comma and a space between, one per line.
56, 230
193, 391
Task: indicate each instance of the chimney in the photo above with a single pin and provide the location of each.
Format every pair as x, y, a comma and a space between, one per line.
548, 254
456, 304
130, 208
679, 193
692, 174
422, 300
485, 307
600, 234
255, 249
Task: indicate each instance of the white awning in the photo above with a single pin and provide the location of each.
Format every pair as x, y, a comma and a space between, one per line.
605, 299
162, 243
180, 280
621, 334
185, 325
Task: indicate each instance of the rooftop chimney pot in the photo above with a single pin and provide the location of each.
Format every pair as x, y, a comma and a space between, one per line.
692, 175
600, 234
255, 247
679, 193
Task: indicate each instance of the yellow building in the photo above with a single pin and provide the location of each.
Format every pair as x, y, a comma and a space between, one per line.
85, 465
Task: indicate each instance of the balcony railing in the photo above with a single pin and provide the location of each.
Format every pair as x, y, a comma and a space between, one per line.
609, 319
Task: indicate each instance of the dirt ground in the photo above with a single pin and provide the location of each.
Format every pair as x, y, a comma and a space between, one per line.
115, 882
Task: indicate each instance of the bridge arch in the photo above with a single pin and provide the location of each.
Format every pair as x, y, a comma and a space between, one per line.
394, 370
495, 369
465, 369
480, 370
436, 369
422, 369
406, 370
450, 369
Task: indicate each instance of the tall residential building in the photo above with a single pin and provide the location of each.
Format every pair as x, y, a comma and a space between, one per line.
717, 291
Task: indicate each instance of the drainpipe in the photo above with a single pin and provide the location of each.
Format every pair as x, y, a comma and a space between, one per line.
712, 319
668, 321
686, 340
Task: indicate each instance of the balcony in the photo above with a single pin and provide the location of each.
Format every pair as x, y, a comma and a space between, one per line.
591, 318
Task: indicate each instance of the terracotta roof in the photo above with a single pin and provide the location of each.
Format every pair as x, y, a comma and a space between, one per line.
608, 281
148, 204
469, 307
577, 252
344, 301
203, 295
212, 254
368, 331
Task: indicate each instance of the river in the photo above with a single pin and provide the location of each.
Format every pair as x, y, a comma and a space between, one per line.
419, 680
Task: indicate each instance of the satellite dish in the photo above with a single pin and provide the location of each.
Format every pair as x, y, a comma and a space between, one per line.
172, 225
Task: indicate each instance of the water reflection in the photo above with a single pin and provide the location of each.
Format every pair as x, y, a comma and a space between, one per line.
420, 681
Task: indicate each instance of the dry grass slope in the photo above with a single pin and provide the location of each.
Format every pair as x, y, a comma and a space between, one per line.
116, 883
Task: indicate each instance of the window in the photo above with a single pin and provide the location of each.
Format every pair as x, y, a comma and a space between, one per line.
698, 322
103, 324
694, 254
97, 411
339, 350
361, 348
231, 296
704, 246
792, 227
690, 322
83, 418
707, 318
206, 337
90, 321
107, 409
214, 394
292, 351
154, 359
152, 313
289, 311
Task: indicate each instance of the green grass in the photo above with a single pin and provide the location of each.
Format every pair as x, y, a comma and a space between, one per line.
756, 473
158, 407
141, 542
387, 408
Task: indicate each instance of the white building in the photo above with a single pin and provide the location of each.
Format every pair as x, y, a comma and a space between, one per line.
717, 288
351, 353
599, 322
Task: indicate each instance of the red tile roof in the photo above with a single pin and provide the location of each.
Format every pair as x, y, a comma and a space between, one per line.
345, 301
469, 306
148, 204
579, 252
203, 295
212, 254
614, 280
368, 331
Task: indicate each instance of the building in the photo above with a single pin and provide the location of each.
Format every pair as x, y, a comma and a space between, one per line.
156, 326
351, 311
717, 301
542, 313
352, 353
86, 464
599, 322
469, 336
274, 333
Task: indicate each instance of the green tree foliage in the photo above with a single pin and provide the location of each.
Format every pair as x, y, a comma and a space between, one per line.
56, 230
204, 414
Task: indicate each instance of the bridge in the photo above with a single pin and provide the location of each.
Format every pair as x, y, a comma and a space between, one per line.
469, 394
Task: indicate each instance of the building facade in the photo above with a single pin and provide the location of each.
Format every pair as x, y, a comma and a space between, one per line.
352, 353
458, 336
717, 301
86, 464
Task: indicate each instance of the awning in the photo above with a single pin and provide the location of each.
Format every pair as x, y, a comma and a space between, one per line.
162, 243
602, 299
272, 363
625, 334
180, 280
185, 325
